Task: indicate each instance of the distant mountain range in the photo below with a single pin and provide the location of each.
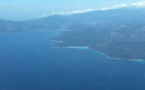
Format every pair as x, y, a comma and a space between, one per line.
119, 33
116, 16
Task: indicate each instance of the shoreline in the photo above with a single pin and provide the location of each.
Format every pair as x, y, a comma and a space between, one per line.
86, 47
79, 47
107, 56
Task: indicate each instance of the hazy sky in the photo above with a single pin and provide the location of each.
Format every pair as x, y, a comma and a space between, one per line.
26, 9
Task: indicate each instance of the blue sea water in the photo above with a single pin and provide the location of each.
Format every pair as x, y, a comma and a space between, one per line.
28, 61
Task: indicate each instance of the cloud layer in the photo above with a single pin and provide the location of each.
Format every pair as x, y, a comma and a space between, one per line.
137, 4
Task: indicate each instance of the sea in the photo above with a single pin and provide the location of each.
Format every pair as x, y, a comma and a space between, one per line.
30, 61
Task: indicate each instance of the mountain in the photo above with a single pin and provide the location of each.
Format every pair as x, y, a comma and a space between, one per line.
116, 16
118, 33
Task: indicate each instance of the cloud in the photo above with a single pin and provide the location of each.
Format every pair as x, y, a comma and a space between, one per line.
119, 6
78, 11
114, 7
89, 10
141, 4
137, 4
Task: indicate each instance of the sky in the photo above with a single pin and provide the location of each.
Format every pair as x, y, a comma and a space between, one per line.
28, 9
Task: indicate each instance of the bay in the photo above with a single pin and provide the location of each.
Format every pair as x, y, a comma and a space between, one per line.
29, 61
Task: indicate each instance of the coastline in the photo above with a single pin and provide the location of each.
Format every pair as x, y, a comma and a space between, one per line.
107, 56
79, 47
84, 47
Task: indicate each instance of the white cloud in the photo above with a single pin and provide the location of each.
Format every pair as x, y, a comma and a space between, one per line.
89, 10
78, 11
141, 4
120, 6
137, 4
114, 7
83, 11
